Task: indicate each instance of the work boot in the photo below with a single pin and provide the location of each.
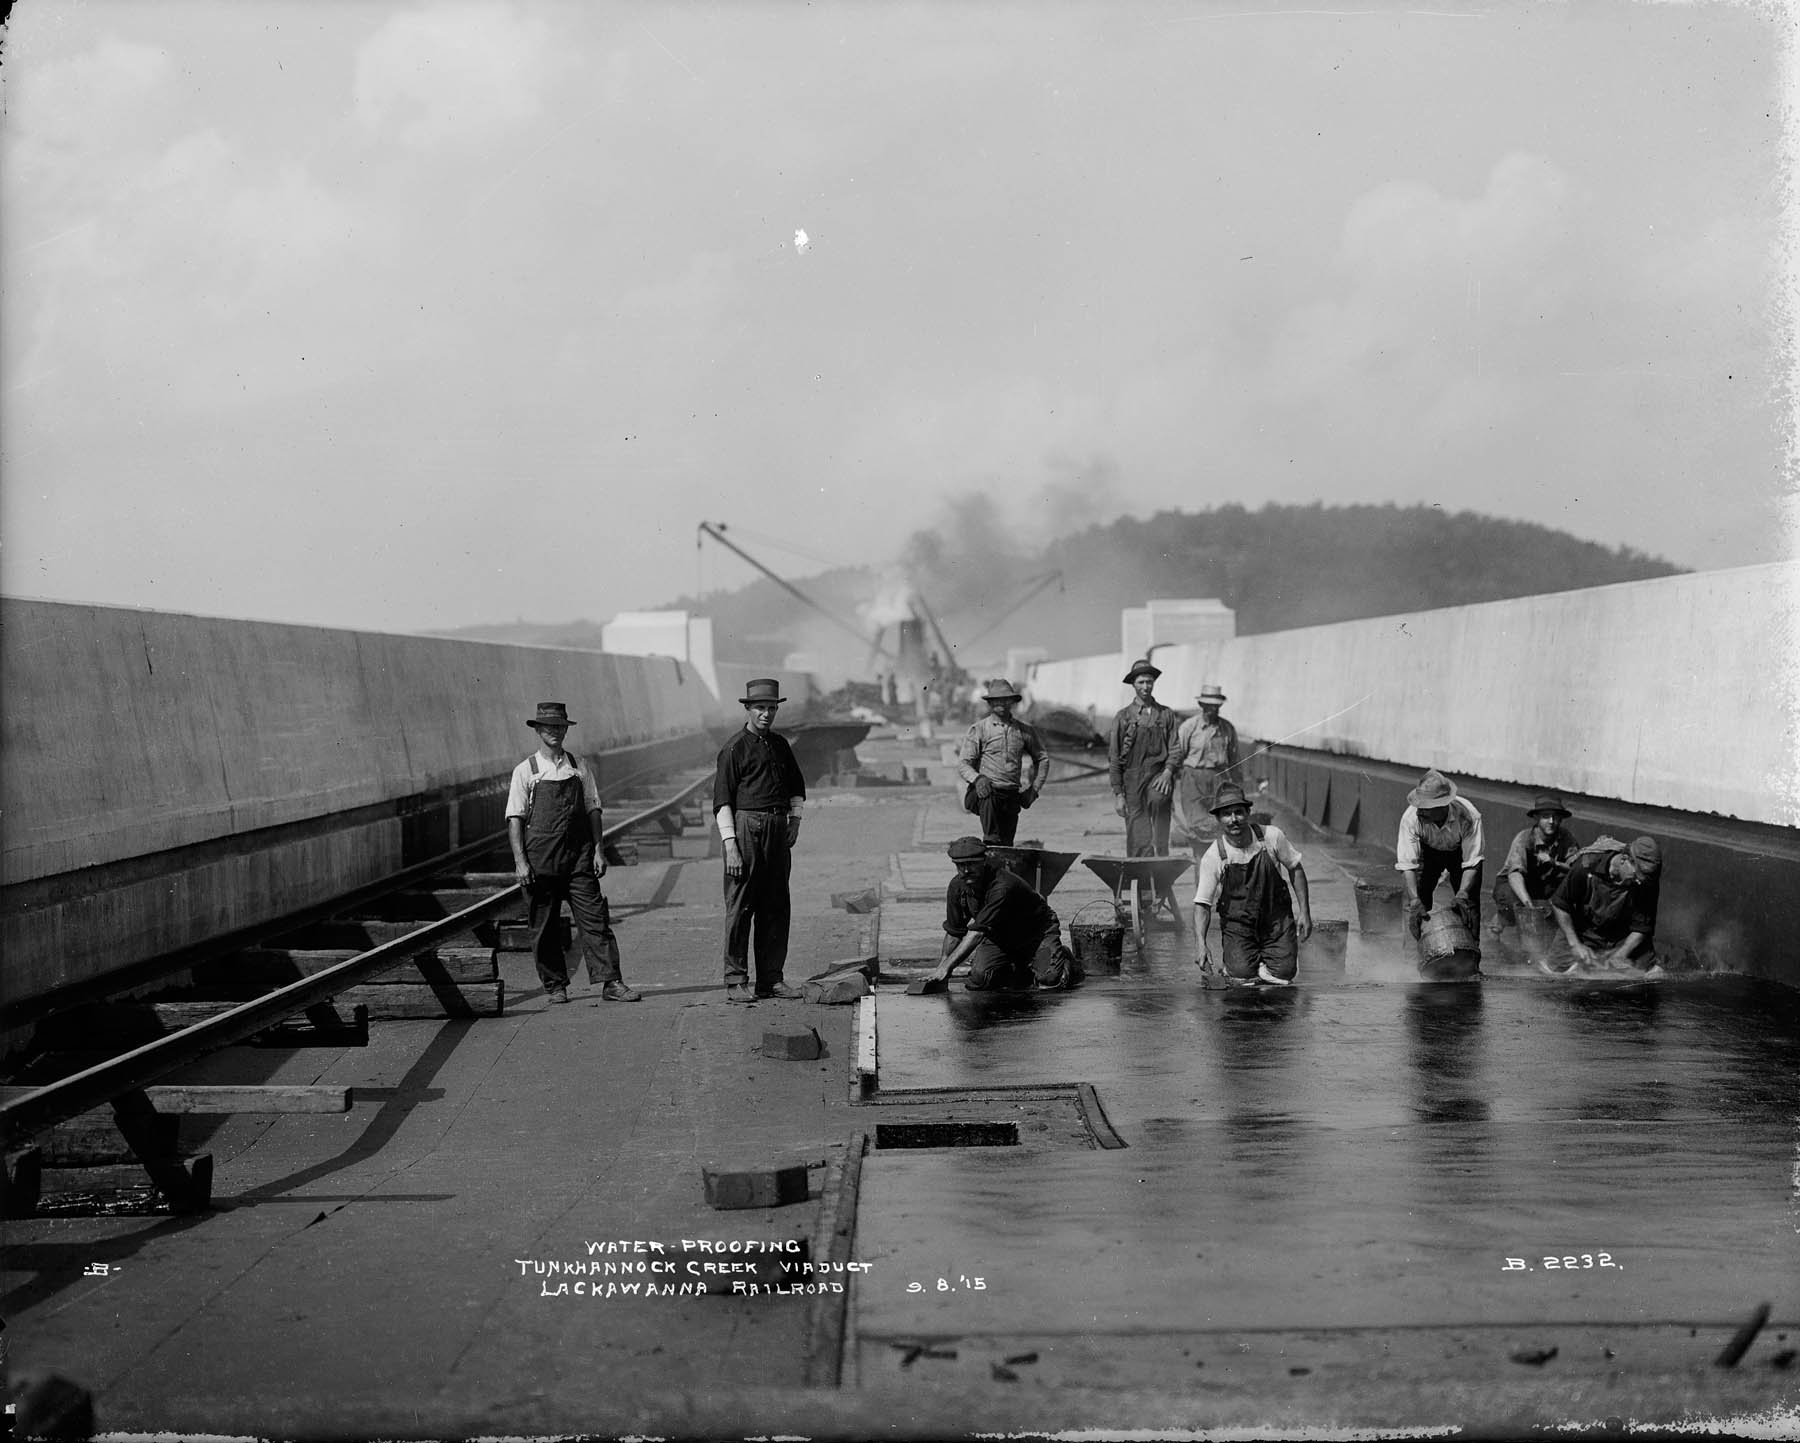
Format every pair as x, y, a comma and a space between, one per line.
783, 991
739, 992
617, 991
559, 994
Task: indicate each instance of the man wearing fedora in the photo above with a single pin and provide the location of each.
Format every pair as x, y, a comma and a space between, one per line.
992, 765
1606, 907
998, 924
758, 794
1137, 757
1260, 927
1440, 836
1204, 757
1535, 865
553, 821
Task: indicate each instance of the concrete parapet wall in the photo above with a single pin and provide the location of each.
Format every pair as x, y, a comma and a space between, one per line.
130, 732
1674, 693
169, 778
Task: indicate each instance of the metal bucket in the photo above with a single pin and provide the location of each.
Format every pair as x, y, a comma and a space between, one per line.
1378, 906
1324, 950
1098, 946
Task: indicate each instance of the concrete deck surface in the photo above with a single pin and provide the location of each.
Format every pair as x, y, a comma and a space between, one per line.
1307, 1228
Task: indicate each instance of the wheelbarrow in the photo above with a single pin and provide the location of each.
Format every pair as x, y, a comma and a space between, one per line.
1038, 869
1136, 883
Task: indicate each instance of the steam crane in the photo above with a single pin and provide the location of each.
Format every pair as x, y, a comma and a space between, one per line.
818, 743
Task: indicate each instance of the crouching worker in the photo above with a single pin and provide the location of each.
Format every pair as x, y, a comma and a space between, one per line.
1606, 907
996, 923
1241, 874
1536, 863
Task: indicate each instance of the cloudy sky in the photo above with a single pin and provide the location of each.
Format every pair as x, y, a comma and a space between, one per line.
406, 316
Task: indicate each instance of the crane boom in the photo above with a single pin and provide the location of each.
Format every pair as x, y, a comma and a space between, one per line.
717, 533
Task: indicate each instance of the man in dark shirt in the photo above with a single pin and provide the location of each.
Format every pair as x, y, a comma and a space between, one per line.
758, 793
1606, 907
1536, 863
996, 923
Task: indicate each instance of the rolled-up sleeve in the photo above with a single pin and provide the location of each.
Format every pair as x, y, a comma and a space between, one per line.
1406, 845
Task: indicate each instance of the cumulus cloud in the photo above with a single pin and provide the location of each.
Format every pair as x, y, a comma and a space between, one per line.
452, 73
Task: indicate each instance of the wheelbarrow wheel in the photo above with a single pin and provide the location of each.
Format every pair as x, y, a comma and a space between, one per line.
1135, 900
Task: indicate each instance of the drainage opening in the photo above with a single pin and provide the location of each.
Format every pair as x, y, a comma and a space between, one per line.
946, 1134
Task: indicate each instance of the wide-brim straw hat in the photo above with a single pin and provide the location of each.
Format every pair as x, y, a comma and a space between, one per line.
1000, 689
1210, 695
1434, 790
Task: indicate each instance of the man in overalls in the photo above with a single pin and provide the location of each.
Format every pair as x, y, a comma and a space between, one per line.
1204, 757
758, 793
553, 819
1440, 836
1137, 757
1241, 874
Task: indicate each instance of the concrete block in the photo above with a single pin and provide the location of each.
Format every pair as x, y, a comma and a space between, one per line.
839, 991
791, 1044
755, 1187
696, 848
652, 848
865, 900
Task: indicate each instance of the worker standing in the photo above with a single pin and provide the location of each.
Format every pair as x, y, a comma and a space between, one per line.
553, 822
1137, 755
1003, 765
1204, 757
758, 794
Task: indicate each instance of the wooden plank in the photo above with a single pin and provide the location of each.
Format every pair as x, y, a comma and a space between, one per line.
398, 1001
268, 1097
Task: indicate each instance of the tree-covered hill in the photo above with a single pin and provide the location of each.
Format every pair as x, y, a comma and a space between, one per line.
1278, 567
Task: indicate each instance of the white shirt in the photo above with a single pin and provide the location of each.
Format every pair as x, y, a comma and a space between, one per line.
518, 796
1406, 847
1212, 869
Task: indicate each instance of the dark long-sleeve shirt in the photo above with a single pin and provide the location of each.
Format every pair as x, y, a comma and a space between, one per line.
757, 773
1604, 912
1004, 909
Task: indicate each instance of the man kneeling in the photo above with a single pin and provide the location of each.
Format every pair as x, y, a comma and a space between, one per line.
996, 923
1241, 874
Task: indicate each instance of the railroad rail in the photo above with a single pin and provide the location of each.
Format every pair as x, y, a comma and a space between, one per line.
121, 1081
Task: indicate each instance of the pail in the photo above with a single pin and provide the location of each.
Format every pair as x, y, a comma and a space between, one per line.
1097, 945
1444, 933
1378, 906
1324, 950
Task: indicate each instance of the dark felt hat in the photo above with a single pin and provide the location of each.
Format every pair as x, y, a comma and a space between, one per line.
1142, 667
763, 690
967, 849
551, 714
1548, 802
1229, 795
